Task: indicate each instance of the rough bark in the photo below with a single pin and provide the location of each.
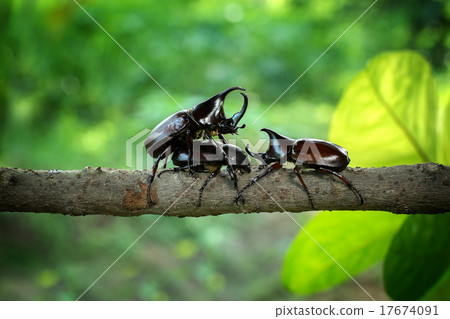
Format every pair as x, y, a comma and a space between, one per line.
406, 189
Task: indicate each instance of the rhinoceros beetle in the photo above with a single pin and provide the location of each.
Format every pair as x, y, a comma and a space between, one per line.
306, 153
204, 120
209, 156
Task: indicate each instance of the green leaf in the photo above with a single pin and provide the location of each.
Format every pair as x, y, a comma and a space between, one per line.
355, 240
443, 149
440, 290
419, 255
388, 114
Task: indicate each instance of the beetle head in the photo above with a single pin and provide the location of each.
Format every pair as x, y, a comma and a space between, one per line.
211, 116
278, 151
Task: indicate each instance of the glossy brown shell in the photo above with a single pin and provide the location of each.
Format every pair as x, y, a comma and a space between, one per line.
208, 151
207, 117
314, 153
164, 133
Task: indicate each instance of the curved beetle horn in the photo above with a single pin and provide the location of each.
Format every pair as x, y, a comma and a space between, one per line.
279, 145
210, 112
274, 135
223, 94
238, 115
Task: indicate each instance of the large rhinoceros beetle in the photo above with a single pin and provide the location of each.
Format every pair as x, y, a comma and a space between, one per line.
204, 120
308, 153
207, 156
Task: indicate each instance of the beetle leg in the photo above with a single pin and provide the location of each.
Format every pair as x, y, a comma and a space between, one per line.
266, 171
297, 172
233, 177
151, 177
222, 138
210, 177
175, 169
230, 169
346, 181
167, 153
189, 144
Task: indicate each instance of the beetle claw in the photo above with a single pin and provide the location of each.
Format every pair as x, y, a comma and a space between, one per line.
150, 201
149, 196
239, 198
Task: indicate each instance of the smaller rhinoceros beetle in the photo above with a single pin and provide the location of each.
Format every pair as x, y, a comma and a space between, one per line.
320, 155
204, 120
208, 156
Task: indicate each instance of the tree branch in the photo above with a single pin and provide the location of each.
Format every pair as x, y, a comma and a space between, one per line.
405, 189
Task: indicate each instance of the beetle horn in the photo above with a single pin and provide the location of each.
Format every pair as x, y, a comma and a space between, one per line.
274, 135
223, 94
279, 145
238, 116
210, 112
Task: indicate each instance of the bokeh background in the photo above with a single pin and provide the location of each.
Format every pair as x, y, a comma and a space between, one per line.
70, 98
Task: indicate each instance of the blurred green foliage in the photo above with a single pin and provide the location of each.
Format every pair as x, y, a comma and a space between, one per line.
70, 97
392, 108
347, 239
418, 258
388, 115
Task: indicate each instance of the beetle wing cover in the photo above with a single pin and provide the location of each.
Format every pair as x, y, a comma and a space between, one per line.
318, 153
161, 136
